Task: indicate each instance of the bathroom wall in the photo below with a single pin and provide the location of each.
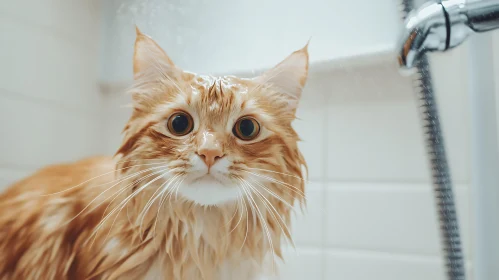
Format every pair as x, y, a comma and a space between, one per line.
49, 96
220, 36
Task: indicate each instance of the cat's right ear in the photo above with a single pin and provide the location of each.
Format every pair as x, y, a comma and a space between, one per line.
149, 57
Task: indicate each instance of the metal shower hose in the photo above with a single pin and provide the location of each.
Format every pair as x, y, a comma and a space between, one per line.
440, 173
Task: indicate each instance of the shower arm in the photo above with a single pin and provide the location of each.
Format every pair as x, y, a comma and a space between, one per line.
439, 26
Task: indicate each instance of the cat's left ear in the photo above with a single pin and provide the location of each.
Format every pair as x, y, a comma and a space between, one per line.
149, 57
289, 76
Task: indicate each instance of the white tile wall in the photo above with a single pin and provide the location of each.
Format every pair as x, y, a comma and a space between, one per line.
398, 218
361, 265
49, 99
371, 212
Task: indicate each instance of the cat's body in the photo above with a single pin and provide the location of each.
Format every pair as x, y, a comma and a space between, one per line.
202, 187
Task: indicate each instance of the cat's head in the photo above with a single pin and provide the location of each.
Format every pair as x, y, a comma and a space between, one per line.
215, 139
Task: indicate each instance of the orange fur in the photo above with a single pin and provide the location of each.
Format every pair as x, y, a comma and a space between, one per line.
104, 218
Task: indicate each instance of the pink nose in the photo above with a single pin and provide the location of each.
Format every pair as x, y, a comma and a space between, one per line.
210, 156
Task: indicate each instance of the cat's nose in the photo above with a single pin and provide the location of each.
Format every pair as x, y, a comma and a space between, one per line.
210, 156
209, 149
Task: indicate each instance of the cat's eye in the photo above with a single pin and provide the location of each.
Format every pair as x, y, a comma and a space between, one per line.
246, 128
180, 124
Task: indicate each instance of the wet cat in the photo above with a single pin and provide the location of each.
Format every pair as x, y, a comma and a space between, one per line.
202, 186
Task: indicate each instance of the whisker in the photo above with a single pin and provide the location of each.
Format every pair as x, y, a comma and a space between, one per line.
169, 195
151, 201
272, 193
140, 228
264, 223
161, 201
247, 222
239, 203
247, 214
124, 202
80, 184
290, 175
293, 188
135, 182
268, 203
177, 187
143, 159
233, 215
88, 205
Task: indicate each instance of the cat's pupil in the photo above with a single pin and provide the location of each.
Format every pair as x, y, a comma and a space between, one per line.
180, 123
247, 127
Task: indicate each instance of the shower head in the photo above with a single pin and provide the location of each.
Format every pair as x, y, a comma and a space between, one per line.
439, 26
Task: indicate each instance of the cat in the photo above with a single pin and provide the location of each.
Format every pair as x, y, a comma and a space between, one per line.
202, 187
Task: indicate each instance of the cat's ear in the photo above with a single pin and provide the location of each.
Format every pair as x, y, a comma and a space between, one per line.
149, 57
289, 76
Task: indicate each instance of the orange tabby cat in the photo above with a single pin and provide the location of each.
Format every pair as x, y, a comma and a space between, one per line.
202, 186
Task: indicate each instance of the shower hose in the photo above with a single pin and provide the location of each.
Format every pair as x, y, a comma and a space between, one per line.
440, 173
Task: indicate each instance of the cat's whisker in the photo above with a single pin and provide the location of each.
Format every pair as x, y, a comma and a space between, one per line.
169, 191
271, 207
247, 214
233, 215
247, 222
177, 187
263, 222
273, 193
161, 201
151, 201
265, 200
90, 203
134, 182
240, 210
152, 198
172, 190
96, 177
119, 192
141, 160
293, 188
291, 175
236, 210
124, 202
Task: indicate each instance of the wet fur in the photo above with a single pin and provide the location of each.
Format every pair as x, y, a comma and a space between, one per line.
53, 226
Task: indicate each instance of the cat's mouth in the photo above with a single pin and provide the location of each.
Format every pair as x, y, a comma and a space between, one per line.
208, 177
210, 189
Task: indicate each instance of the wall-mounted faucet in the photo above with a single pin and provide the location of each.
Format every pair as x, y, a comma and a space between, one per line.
442, 25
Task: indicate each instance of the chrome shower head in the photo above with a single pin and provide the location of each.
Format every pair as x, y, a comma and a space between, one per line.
439, 26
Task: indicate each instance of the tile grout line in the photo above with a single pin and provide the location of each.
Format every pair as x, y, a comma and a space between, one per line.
351, 252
